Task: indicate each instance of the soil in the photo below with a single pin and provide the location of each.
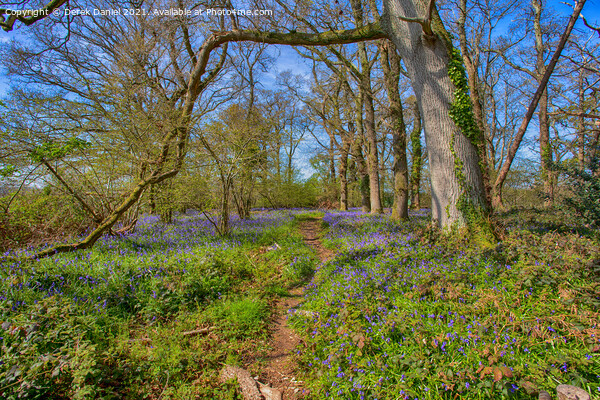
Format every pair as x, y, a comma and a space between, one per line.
311, 229
281, 371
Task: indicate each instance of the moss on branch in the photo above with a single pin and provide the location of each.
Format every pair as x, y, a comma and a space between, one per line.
360, 34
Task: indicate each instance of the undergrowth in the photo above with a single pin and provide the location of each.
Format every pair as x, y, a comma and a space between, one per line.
401, 313
154, 314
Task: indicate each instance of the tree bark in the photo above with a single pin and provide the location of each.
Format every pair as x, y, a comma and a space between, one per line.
152, 200
545, 151
343, 169
357, 153
331, 152
369, 126
224, 226
372, 151
540, 69
593, 153
581, 122
458, 195
473, 81
417, 160
390, 62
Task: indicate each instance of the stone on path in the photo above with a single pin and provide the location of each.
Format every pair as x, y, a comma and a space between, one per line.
247, 383
568, 392
251, 389
544, 395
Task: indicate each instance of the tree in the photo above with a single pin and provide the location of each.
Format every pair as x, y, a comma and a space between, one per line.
250, 61
368, 153
577, 114
417, 158
289, 123
458, 196
503, 173
390, 62
471, 61
111, 76
425, 47
8, 17
232, 142
434, 67
537, 73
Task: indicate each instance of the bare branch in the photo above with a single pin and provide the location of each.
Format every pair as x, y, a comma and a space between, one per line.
27, 17
590, 26
424, 22
580, 114
502, 174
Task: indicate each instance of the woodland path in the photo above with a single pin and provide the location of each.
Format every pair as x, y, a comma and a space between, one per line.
281, 371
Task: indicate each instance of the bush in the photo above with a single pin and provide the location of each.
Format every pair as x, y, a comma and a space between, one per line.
40, 216
585, 184
48, 351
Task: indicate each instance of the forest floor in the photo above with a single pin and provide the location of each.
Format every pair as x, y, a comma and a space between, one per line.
281, 372
336, 305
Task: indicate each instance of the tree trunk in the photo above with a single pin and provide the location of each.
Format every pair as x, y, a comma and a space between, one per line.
371, 136
390, 62
581, 123
331, 152
152, 200
166, 216
357, 154
458, 196
224, 217
343, 170
545, 149
277, 153
473, 81
417, 160
290, 165
593, 153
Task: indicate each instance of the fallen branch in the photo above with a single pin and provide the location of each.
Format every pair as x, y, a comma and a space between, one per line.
202, 331
212, 222
195, 332
143, 340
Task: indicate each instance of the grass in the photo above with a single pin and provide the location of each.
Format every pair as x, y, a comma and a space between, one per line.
110, 322
403, 313
309, 215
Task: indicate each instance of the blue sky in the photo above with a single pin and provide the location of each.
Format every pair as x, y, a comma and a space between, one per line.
5, 37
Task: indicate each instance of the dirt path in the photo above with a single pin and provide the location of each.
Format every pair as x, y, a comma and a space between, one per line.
281, 372
311, 229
